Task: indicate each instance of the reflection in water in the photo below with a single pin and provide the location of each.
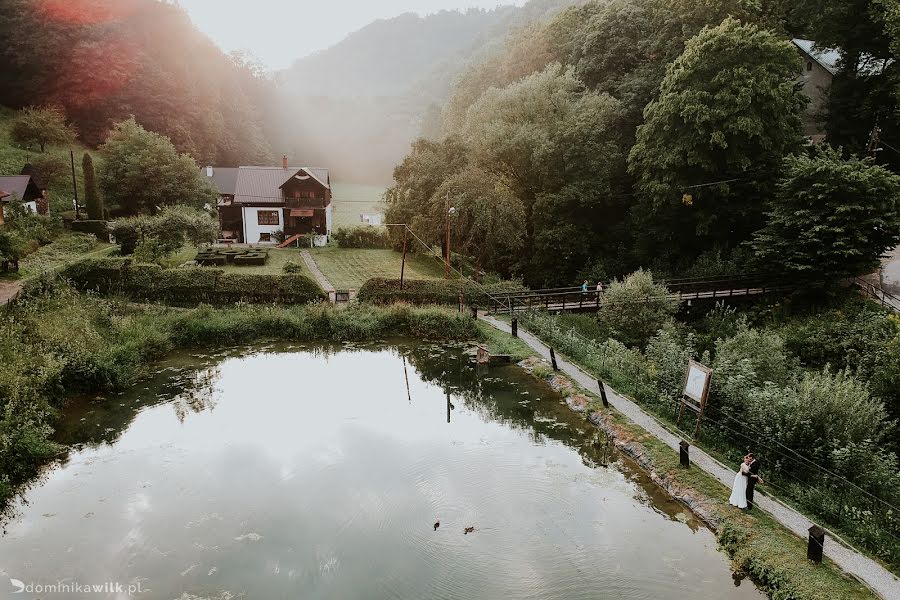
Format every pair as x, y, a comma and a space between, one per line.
288, 472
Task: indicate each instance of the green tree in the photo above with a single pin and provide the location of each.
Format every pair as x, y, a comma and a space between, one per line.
831, 218
92, 198
143, 171
636, 308
41, 126
557, 147
728, 112
164, 232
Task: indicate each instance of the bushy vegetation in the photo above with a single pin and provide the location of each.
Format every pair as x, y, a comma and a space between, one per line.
635, 308
191, 285
831, 218
143, 171
167, 231
362, 237
827, 442
439, 291
56, 342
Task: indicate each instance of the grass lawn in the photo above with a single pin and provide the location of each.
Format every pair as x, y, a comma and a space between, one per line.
349, 268
277, 258
65, 249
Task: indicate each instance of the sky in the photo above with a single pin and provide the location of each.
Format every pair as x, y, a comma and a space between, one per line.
279, 31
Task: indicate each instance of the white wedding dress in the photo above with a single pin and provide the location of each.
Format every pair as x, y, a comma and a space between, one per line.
739, 489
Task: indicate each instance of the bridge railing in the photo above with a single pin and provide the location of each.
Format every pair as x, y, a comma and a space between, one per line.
573, 298
877, 293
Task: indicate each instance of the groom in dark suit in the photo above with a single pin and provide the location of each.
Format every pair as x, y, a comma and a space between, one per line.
752, 479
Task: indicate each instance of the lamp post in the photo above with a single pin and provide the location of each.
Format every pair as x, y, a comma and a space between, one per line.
450, 212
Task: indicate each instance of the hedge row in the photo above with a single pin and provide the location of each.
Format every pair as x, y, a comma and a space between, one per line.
439, 291
189, 285
362, 237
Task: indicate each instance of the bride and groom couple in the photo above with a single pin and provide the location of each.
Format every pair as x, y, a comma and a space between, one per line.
744, 483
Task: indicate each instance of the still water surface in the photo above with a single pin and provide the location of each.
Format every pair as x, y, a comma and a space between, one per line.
299, 472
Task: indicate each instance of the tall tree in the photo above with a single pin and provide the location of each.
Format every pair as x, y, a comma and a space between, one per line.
143, 171
41, 126
705, 158
558, 148
832, 218
92, 198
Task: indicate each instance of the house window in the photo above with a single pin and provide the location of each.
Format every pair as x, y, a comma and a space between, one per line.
809, 66
267, 217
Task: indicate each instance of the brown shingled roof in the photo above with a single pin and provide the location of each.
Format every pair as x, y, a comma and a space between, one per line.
262, 185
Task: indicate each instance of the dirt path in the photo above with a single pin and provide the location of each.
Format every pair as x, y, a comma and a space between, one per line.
320, 277
879, 579
9, 289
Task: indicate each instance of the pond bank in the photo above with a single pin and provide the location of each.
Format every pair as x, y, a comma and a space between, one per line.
62, 343
758, 543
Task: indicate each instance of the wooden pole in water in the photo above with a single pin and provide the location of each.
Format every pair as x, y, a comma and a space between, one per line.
403, 264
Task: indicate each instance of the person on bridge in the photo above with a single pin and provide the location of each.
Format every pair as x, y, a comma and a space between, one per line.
584, 287
599, 288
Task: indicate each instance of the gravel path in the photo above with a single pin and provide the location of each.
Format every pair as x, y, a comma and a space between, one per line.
320, 277
882, 581
9, 290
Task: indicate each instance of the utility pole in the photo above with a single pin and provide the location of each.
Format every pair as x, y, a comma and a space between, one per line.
74, 185
403, 264
874, 141
447, 257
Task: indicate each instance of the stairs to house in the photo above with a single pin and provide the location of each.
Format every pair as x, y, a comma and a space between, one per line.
290, 241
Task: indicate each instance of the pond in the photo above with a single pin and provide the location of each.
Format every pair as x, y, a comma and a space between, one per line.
320, 472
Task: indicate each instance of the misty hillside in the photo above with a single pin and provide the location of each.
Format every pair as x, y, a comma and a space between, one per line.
390, 55
105, 61
377, 86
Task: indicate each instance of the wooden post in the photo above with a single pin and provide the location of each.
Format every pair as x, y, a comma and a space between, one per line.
697, 427
403, 264
474, 312
816, 544
603, 393
683, 452
448, 405
74, 185
553, 359
515, 328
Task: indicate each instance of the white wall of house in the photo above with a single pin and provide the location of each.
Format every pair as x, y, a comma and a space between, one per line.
328, 219
253, 230
29, 206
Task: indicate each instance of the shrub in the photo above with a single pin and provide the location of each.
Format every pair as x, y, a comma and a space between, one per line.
635, 308
439, 291
293, 267
172, 227
362, 237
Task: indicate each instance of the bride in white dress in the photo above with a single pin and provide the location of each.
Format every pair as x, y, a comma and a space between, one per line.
739, 489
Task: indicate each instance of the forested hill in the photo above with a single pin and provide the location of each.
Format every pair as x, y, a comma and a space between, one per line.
357, 105
103, 61
389, 56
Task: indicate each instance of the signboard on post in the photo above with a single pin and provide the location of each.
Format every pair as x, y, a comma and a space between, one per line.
695, 392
